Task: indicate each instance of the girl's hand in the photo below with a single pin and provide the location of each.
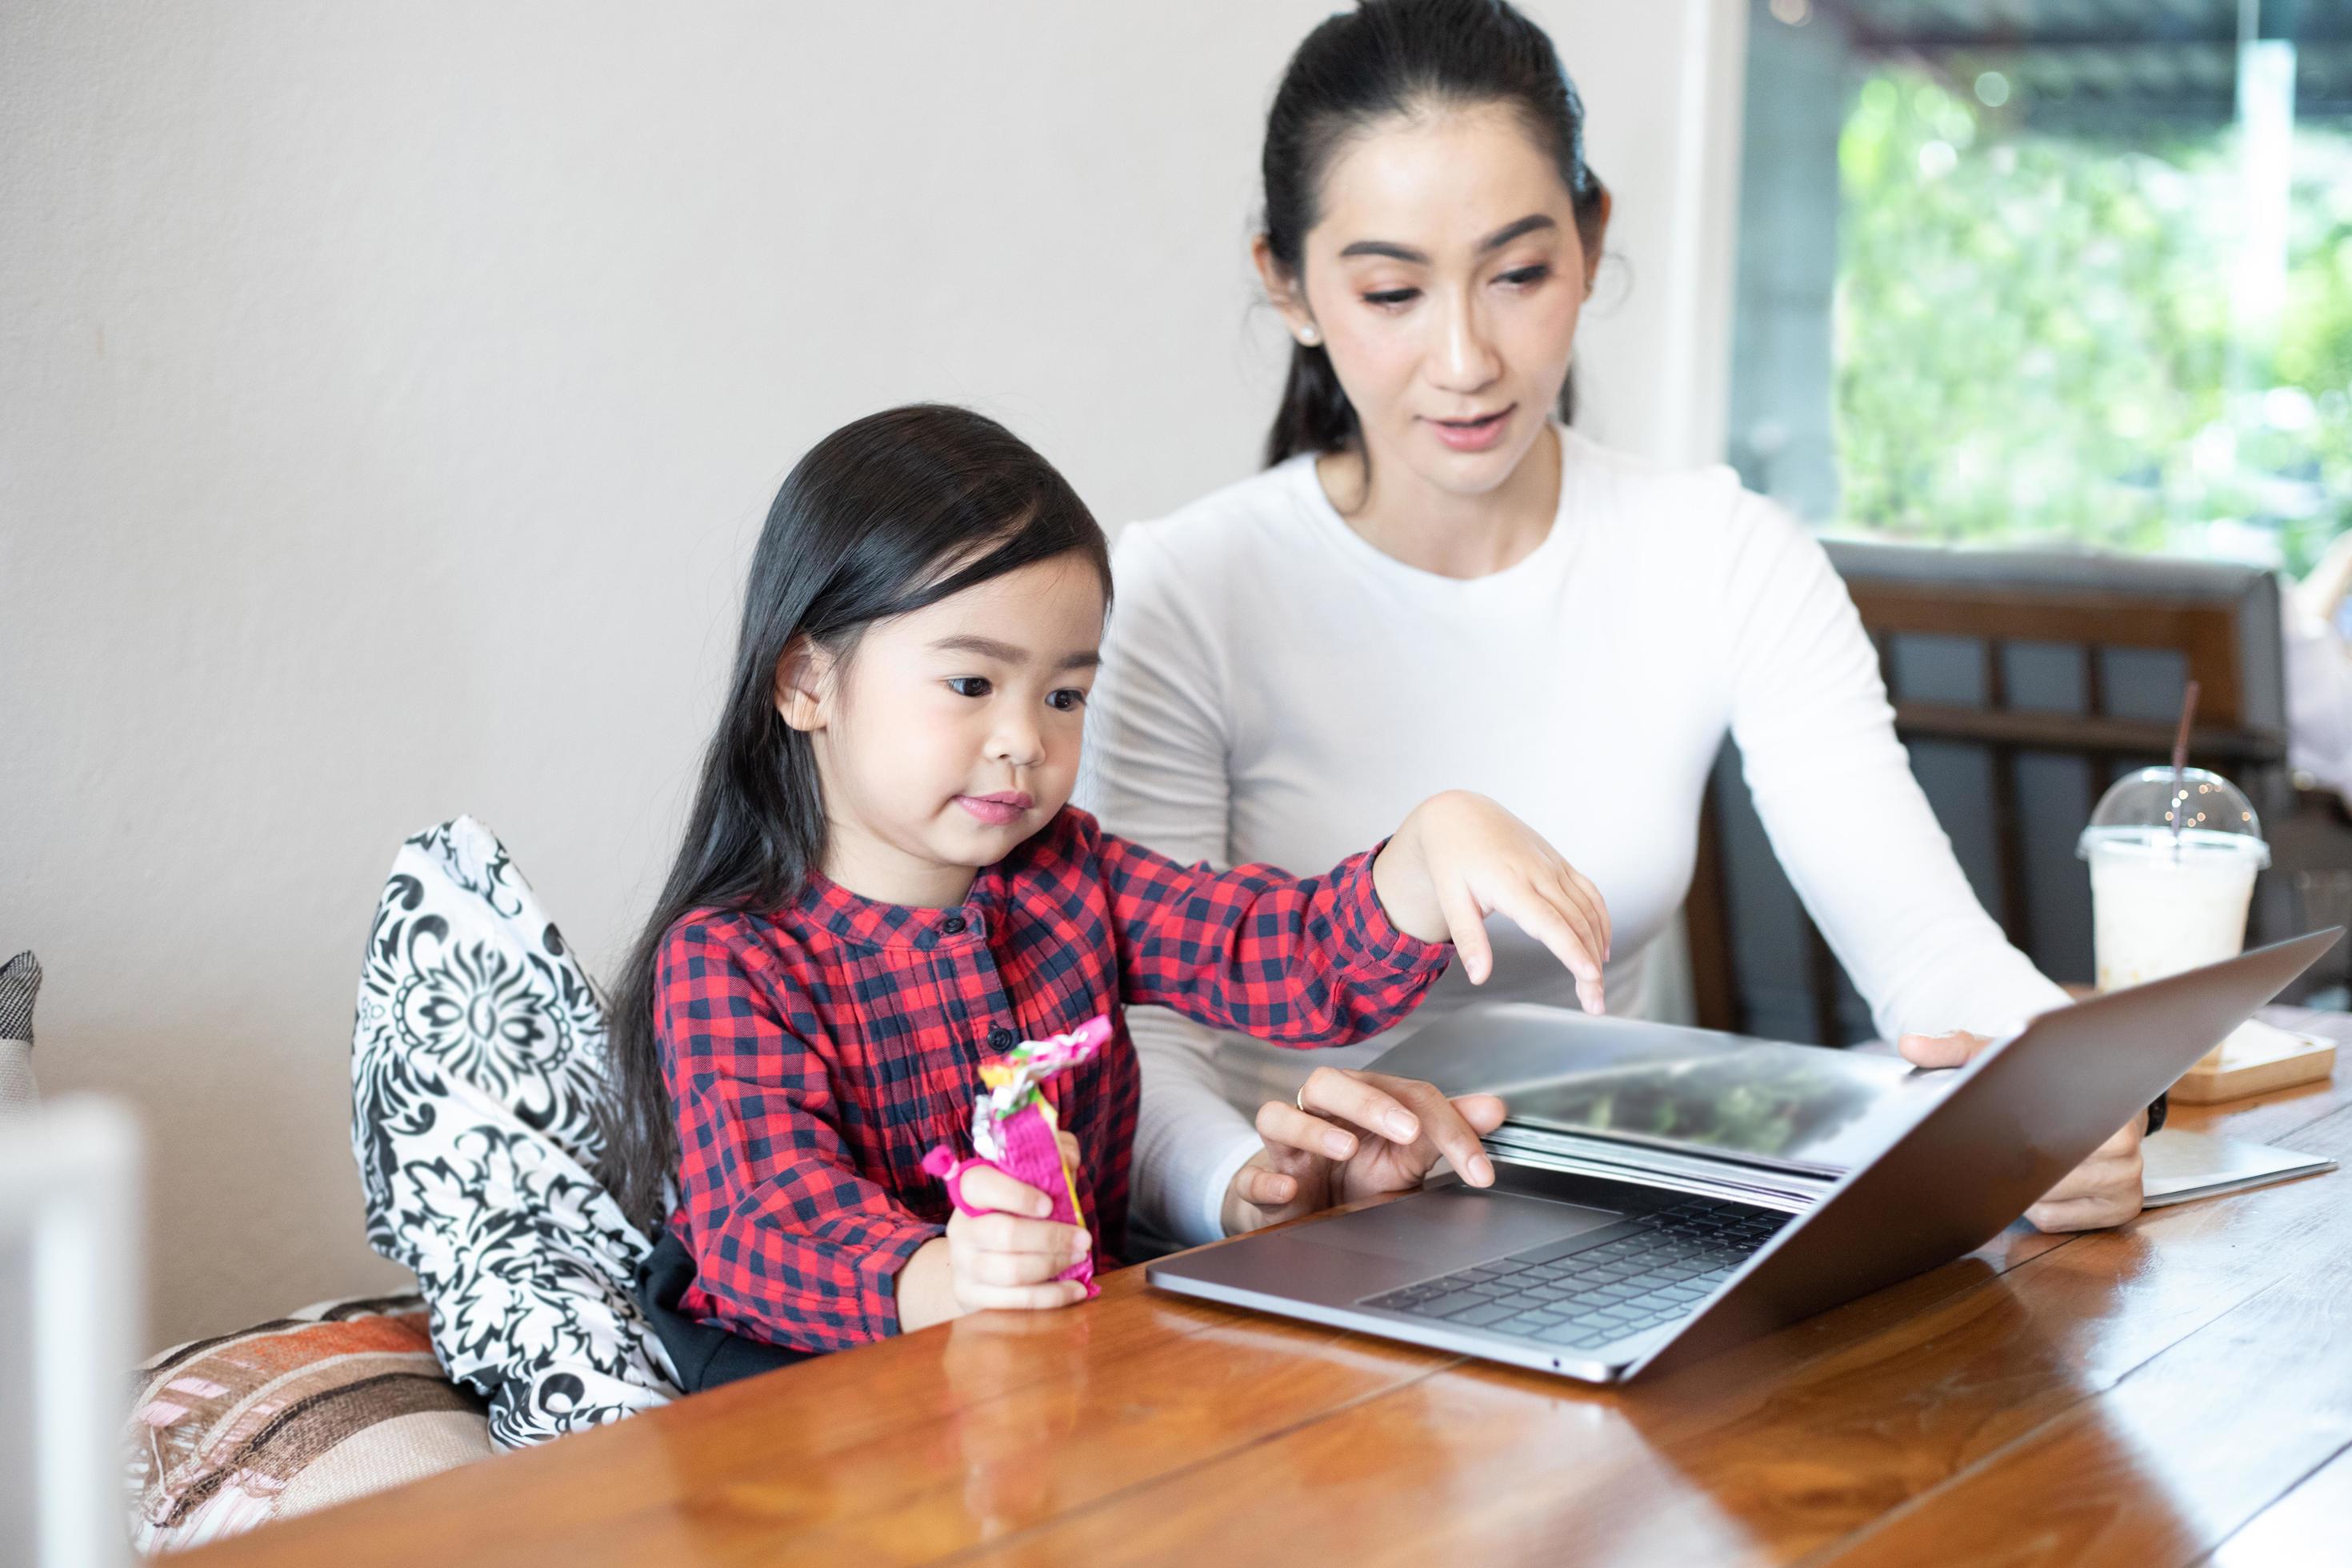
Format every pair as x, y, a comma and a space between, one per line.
2104, 1190
1460, 858
1005, 1260
1354, 1135
1008, 1258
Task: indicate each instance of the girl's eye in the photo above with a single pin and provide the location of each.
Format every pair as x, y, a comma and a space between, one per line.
1390, 297
1068, 700
1526, 276
968, 685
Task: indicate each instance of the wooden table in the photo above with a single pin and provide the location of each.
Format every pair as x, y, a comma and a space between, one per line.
2172, 1391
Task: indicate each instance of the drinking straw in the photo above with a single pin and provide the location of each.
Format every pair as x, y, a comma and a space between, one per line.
2180, 763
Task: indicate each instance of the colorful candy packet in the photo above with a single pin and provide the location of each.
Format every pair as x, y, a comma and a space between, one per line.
1014, 1130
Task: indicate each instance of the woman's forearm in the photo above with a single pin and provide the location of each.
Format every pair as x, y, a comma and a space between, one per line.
1189, 1138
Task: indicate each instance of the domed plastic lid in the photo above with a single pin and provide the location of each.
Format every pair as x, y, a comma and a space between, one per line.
2215, 817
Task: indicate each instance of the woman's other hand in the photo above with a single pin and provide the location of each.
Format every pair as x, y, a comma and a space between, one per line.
2104, 1190
1354, 1135
1460, 858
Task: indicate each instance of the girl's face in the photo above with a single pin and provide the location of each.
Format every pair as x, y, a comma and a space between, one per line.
1444, 276
952, 733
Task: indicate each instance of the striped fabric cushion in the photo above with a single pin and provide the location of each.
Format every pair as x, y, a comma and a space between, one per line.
331, 1402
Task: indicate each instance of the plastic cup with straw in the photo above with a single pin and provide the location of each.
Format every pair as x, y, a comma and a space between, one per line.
2180, 765
2174, 852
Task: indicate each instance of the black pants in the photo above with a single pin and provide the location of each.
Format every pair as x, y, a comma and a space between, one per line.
705, 1357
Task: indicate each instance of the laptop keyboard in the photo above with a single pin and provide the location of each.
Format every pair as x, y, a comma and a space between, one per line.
1598, 1286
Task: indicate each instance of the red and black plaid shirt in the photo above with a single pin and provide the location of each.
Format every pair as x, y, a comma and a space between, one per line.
814, 1054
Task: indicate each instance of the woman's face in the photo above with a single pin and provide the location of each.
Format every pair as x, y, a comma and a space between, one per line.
1444, 274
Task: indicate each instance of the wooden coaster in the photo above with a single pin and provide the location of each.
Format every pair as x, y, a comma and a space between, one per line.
2256, 1060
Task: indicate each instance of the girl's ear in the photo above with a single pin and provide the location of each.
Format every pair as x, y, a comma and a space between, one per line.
804, 686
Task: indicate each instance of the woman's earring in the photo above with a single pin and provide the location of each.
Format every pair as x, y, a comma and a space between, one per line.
1310, 334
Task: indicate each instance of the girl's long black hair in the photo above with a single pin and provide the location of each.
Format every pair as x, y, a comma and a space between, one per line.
1385, 58
887, 514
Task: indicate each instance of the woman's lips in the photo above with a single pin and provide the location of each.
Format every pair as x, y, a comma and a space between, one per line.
1473, 435
997, 810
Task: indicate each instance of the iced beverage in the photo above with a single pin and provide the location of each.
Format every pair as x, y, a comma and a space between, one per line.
2162, 901
2155, 913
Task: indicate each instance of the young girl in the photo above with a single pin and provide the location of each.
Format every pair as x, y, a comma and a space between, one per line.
882, 886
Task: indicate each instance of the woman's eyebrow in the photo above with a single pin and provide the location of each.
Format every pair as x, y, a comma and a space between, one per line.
1492, 242
1511, 231
1384, 248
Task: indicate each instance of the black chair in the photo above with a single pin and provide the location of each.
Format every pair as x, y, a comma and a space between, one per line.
2023, 684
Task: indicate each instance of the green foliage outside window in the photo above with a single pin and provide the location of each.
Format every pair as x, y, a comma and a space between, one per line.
2035, 339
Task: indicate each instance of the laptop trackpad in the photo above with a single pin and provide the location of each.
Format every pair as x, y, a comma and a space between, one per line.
1452, 1228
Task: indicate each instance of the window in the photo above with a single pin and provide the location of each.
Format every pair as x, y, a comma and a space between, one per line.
2070, 270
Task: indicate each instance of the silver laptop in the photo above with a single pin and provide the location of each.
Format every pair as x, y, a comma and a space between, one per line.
1604, 1280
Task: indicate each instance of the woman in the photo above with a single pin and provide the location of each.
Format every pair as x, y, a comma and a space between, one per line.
1435, 583
2319, 672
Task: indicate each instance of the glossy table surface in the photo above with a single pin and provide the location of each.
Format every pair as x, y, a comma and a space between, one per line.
2177, 1391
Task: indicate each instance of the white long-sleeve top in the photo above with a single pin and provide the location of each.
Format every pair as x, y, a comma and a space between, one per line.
2318, 696
1277, 689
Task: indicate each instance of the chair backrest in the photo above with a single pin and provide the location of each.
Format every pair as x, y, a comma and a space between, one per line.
2023, 682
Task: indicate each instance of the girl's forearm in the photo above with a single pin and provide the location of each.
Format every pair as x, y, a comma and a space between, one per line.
1401, 881
1298, 961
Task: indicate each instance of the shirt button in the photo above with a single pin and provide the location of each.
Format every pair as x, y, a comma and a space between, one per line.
952, 924
1000, 1039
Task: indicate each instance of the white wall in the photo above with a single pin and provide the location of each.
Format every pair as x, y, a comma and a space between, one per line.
390, 393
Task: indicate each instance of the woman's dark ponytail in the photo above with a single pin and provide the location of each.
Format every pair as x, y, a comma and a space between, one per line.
1386, 59
1315, 416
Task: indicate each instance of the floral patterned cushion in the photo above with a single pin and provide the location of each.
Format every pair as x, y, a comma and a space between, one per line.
477, 1064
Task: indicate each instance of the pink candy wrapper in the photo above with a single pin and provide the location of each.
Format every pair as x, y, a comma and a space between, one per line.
1014, 1128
